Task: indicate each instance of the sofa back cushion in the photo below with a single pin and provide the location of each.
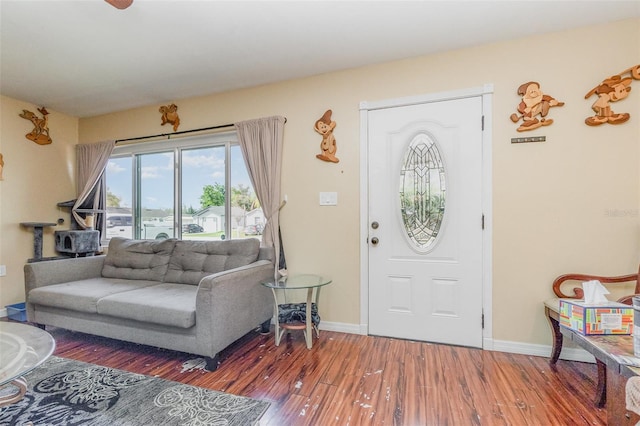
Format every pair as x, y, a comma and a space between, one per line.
138, 259
193, 260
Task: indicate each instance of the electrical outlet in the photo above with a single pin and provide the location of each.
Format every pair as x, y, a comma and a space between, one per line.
3, 270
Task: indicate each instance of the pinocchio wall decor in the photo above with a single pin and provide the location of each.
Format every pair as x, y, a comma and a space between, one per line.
612, 89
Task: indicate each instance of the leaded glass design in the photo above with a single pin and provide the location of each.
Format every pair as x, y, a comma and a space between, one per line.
422, 191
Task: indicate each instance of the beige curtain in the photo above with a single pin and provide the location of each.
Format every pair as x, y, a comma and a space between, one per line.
91, 161
261, 142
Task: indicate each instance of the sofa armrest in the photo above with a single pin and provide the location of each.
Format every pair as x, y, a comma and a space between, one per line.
41, 274
267, 253
231, 303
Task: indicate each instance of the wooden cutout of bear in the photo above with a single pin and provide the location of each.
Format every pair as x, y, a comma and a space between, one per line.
170, 115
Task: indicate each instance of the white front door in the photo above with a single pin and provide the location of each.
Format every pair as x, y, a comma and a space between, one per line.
425, 227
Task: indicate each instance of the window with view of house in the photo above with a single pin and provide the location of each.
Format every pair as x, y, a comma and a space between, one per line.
190, 188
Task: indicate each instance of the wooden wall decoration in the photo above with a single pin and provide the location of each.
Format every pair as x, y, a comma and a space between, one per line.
612, 89
534, 103
1, 166
324, 125
40, 132
170, 115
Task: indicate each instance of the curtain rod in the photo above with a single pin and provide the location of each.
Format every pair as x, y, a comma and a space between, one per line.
168, 135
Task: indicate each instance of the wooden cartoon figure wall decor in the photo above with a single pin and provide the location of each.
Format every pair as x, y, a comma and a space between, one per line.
325, 127
170, 115
534, 103
40, 132
612, 89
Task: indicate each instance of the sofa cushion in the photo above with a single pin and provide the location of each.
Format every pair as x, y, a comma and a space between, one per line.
193, 260
166, 304
137, 259
83, 295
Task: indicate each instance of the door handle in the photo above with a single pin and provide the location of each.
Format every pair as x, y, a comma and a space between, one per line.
375, 241
375, 225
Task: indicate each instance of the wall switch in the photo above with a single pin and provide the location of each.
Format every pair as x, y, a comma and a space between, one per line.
3, 270
328, 198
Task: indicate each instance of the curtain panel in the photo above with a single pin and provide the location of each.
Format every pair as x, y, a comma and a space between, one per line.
91, 161
261, 142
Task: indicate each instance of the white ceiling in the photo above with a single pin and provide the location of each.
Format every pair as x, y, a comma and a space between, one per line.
86, 58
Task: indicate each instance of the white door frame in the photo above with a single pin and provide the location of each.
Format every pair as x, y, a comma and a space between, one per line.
486, 92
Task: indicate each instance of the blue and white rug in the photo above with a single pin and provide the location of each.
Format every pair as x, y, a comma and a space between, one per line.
68, 392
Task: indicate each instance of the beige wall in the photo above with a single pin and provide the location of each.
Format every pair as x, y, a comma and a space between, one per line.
568, 204
36, 178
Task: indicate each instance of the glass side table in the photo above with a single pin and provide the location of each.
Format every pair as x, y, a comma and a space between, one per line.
22, 348
312, 283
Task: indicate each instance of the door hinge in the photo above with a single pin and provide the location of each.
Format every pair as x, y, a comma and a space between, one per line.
483, 122
483, 221
483, 321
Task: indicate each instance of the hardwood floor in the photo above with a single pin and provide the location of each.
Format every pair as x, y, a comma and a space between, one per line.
362, 380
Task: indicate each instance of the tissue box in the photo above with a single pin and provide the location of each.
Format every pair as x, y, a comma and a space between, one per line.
590, 319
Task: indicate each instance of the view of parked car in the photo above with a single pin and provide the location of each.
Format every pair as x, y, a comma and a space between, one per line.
121, 225
192, 228
119, 220
253, 229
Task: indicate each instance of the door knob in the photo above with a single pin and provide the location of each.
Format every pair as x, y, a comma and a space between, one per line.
375, 225
375, 240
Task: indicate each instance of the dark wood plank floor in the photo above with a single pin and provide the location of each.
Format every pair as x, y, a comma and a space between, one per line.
361, 380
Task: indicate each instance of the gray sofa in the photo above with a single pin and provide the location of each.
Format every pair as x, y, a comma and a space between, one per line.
190, 296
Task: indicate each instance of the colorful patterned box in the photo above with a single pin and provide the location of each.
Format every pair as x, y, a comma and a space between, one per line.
589, 319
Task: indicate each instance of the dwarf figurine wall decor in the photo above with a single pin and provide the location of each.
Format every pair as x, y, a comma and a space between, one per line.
325, 127
40, 132
534, 103
612, 89
170, 115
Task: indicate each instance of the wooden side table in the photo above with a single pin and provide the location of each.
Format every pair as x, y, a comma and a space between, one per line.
612, 352
312, 283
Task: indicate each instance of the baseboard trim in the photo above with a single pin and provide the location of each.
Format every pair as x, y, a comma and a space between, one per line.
341, 327
568, 353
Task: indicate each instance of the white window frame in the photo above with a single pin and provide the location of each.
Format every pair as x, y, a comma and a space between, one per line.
177, 145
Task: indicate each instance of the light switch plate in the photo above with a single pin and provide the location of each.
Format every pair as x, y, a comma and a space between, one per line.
328, 198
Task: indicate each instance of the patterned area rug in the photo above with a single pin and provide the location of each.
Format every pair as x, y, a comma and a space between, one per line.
67, 392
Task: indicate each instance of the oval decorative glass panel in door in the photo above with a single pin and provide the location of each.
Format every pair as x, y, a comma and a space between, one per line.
422, 191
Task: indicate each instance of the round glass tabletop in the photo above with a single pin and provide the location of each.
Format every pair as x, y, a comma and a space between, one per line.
298, 281
22, 348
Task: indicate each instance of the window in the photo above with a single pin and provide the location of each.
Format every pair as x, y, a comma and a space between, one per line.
422, 191
189, 188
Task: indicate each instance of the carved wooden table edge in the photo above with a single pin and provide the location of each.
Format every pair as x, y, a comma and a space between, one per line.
554, 322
